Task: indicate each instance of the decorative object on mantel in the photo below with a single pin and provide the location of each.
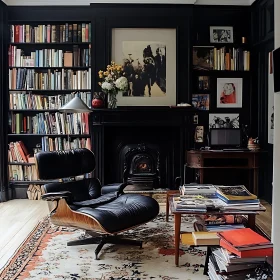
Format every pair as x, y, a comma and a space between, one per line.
113, 81
253, 144
98, 100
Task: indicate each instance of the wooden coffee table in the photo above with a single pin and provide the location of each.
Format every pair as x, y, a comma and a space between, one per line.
178, 214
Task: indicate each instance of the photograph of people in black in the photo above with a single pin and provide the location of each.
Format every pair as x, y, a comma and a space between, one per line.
145, 68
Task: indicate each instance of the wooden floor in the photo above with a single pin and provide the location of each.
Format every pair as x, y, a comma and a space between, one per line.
264, 220
17, 219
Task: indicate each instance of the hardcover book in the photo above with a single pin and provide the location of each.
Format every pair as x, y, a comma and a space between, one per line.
235, 192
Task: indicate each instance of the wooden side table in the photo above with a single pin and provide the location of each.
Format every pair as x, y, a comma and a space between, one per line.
207, 160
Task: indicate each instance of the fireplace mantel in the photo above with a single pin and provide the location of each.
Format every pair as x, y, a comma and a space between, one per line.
163, 119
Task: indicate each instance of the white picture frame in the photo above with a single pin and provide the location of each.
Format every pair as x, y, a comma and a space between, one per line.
221, 34
130, 43
229, 92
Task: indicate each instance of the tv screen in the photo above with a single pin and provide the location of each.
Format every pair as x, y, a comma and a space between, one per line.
276, 69
225, 137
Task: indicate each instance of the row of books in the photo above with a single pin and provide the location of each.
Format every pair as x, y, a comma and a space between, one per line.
22, 173
61, 144
59, 33
50, 123
64, 79
49, 57
24, 101
210, 58
241, 252
17, 152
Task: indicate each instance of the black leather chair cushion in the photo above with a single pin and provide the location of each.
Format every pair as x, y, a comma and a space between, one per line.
81, 190
124, 212
63, 164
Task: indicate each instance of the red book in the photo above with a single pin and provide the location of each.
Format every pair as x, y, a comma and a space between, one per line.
244, 237
248, 253
245, 243
17, 34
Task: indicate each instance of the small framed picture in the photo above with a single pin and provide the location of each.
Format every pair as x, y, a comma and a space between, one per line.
203, 83
221, 34
198, 135
229, 92
200, 101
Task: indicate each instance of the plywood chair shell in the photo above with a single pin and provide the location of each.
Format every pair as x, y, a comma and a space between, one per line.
63, 215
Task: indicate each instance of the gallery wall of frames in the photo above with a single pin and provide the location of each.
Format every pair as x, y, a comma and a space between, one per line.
206, 55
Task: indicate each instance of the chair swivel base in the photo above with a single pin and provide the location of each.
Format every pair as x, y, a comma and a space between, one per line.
101, 241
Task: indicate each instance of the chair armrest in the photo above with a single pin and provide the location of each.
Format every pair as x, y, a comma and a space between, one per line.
118, 187
57, 196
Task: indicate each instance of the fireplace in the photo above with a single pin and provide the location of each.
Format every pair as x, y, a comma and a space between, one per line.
139, 165
144, 147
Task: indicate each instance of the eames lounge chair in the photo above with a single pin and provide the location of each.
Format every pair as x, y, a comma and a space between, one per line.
85, 204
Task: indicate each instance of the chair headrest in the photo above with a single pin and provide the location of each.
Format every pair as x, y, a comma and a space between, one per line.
63, 164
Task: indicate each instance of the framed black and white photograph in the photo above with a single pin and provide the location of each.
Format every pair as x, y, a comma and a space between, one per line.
229, 92
221, 34
148, 56
223, 120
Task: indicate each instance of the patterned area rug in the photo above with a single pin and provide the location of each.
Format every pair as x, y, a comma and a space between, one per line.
45, 256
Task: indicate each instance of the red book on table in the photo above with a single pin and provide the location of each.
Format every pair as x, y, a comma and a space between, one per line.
245, 243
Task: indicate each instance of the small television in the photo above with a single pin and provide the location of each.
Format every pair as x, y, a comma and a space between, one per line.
225, 137
276, 69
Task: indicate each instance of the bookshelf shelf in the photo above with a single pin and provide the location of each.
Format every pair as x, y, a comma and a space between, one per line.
49, 90
21, 163
33, 110
52, 68
31, 182
51, 44
221, 45
51, 135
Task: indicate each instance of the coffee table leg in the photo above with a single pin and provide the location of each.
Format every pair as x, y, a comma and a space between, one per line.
177, 237
167, 208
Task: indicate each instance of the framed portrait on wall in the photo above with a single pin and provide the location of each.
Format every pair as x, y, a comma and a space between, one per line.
148, 56
229, 92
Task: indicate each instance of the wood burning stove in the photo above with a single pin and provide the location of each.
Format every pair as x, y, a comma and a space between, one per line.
140, 165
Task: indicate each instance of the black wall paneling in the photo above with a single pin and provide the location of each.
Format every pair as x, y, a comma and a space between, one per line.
192, 24
263, 42
3, 101
109, 16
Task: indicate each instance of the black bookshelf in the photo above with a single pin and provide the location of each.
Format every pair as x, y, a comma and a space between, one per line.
32, 141
50, 135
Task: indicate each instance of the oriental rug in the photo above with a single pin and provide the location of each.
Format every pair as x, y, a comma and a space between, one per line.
45, 256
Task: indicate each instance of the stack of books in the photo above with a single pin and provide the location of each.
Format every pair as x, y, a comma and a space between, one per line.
229, 199
238, 198
241, 252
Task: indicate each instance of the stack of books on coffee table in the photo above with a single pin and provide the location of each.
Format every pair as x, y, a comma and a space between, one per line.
229, 199
241, 251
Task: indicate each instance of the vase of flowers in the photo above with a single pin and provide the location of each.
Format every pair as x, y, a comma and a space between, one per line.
113, 81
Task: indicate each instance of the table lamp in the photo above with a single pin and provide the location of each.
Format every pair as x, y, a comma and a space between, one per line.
75, 105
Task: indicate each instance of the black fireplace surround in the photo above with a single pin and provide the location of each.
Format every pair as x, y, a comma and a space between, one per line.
142, 146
